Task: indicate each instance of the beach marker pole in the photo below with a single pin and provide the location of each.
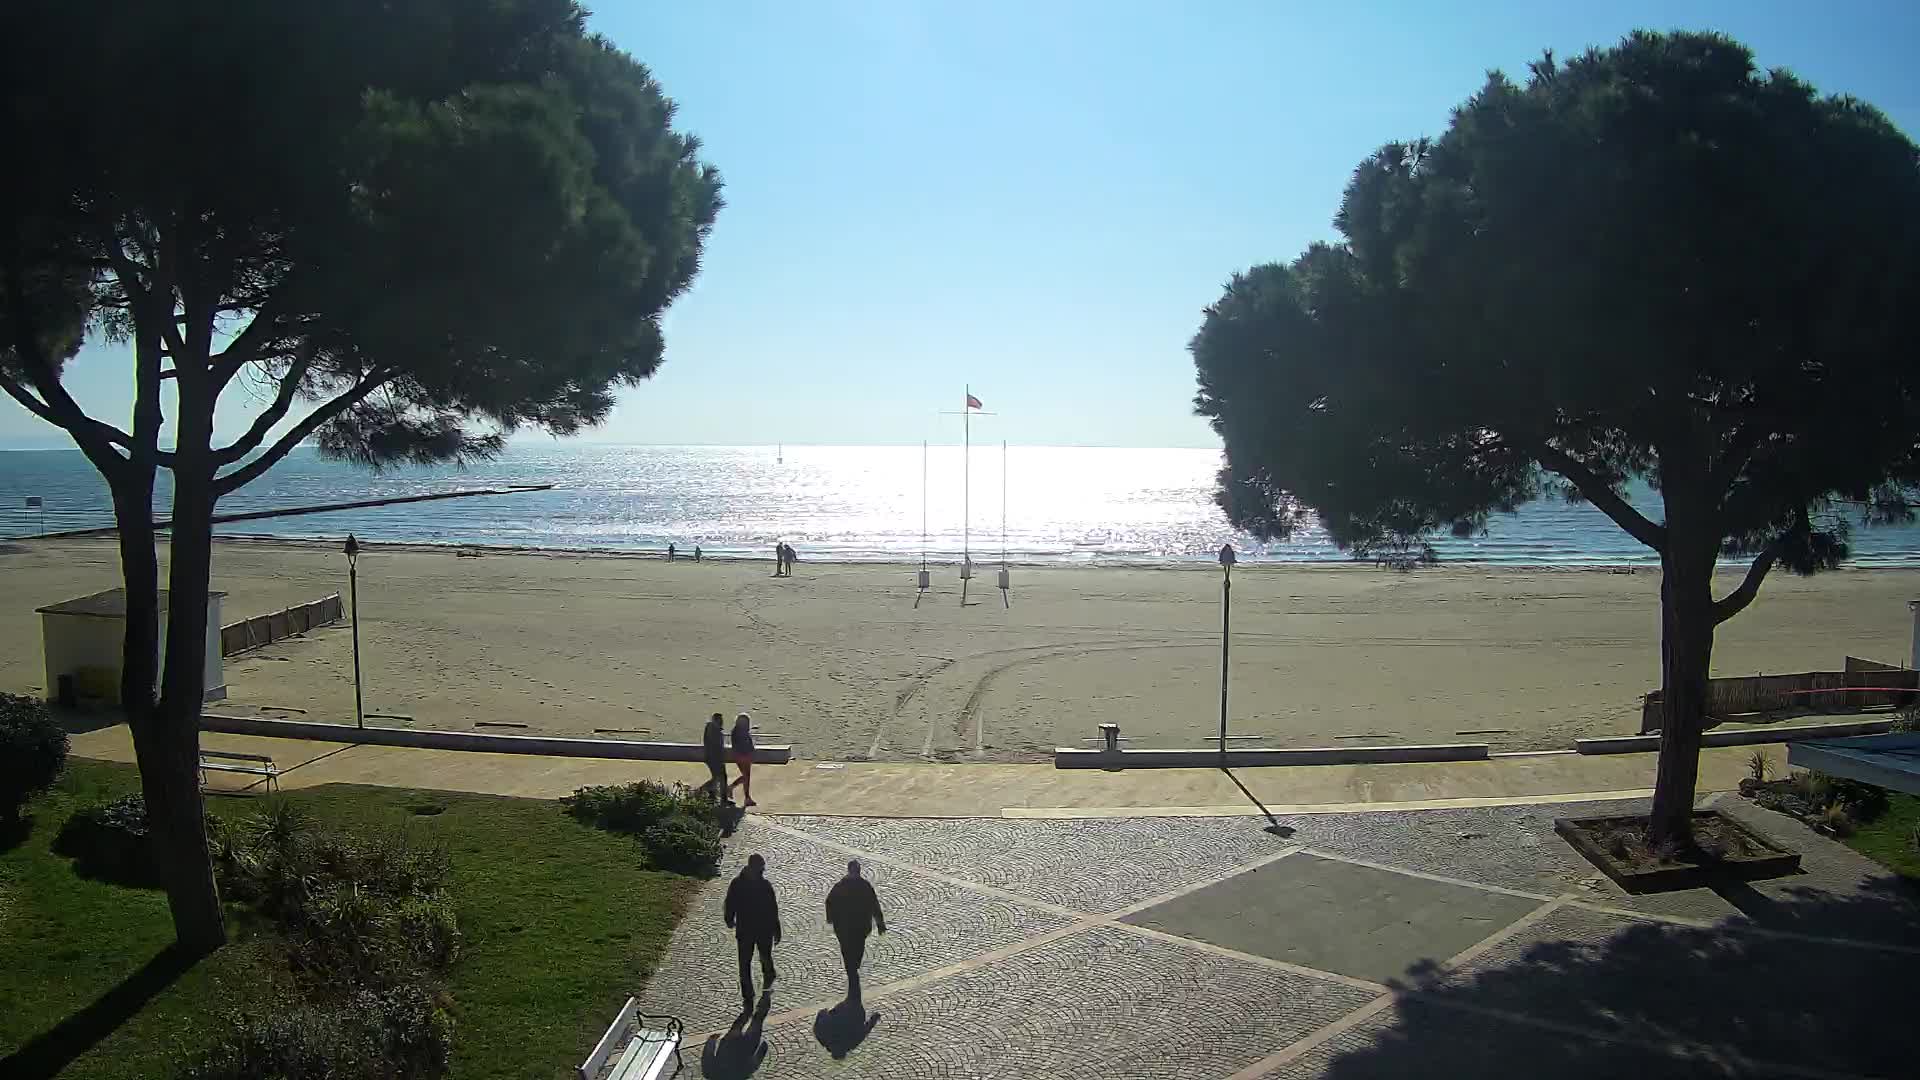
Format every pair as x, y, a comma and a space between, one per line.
966, 490
1226, 595
923, 579
1006, 579
353, 593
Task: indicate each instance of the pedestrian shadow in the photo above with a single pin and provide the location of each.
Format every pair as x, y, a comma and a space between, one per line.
48, 1053
740, 1052
1596, 997
843, 1027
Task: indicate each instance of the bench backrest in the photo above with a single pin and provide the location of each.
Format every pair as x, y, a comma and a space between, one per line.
590, 1068
236, 757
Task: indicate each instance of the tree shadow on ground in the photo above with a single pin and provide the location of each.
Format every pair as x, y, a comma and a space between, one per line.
739, 1052
843, 1027
51, 1051
1599, 996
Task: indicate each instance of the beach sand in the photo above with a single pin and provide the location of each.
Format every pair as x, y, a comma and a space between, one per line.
838, 661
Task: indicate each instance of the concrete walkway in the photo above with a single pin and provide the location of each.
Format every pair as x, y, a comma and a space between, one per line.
1440, 943
985, 790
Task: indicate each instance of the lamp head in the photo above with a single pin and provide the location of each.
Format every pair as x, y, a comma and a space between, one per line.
352, 547
1226, 555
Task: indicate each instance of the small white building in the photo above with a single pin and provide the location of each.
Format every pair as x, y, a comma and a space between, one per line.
85, 638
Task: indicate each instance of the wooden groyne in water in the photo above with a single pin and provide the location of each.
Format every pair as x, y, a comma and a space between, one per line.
320, 508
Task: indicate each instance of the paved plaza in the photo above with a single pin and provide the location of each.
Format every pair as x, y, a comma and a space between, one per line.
1440, 943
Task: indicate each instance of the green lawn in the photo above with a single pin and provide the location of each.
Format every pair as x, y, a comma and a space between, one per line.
1888, 839
560, 923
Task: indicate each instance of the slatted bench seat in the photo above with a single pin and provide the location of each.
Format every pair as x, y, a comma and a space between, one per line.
251, 764
645, 1043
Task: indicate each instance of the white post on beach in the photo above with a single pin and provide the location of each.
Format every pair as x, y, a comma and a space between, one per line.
1006, 579
1226, 595
923, 579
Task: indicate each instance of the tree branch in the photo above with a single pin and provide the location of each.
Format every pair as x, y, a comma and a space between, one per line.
1736, 601
1600, 493
252, 470
1739, 451
276, 412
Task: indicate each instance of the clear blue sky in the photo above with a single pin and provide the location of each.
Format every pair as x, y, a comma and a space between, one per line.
1038, 199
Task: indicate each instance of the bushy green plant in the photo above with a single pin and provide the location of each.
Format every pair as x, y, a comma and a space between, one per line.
1758, 766
684, 845
1863, 801
629, 808
33, 751
1836, 819
400, 1032
110, 841
679, 827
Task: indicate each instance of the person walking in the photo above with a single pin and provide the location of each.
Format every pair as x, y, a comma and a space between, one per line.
713, 742
853, 910
743, 757
792, 557
753, 913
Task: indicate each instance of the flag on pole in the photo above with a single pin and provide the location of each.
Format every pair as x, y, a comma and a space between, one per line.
974, 402
34, 503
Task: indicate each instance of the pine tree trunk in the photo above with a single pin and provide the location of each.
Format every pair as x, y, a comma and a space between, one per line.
1686, 657
168, 754
179, 818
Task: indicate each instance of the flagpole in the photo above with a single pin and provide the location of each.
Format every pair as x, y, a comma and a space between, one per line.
966, 481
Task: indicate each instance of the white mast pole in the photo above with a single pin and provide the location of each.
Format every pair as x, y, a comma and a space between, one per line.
923, 504
1003, 504
966, 481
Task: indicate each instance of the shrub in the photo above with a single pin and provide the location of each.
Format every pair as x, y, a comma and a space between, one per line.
684, 845
628, 808
401, 1032
109, 841
1864, 802
1758, 765
33, 751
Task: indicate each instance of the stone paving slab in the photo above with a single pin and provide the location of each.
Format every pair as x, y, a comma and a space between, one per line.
930, 924
1808, 1005
1413, 1039
1094, 865
1098, 1003
1336, 916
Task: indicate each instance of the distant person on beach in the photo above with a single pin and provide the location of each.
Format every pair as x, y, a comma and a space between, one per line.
853, 910
714, 749
780, 559
753, 912
792, 557
696, 553
670, 553
743, 757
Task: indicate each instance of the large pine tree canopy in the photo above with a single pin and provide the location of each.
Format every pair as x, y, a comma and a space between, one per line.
1653, 261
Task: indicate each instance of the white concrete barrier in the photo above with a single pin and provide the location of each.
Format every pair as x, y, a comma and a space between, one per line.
1068, 757
427, 739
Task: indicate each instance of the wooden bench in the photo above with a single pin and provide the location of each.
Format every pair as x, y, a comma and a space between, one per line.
644, 1056
251, 764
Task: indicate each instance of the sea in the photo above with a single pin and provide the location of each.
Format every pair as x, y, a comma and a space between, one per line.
1058, 505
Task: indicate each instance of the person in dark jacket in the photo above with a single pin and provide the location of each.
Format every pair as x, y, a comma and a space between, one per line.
853, 910
743, 757
714, 749
754, 914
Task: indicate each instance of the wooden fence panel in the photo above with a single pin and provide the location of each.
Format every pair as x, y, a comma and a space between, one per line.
279, 625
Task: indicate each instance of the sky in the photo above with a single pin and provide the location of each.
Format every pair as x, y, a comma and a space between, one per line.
1037, 200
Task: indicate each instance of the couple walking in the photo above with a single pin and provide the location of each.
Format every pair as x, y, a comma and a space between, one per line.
752, 910
783, 559
714, 748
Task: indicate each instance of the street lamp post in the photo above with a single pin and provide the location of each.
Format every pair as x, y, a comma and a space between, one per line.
1226, 610
353, 600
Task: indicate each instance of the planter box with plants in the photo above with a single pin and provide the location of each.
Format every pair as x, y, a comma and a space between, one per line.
1723, 849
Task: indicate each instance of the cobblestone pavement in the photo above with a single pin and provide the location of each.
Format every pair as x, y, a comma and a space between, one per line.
1434, 943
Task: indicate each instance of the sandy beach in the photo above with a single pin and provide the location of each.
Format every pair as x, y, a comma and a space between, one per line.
838, 661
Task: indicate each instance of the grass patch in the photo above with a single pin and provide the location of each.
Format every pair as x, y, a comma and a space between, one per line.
1888, 839
560, 922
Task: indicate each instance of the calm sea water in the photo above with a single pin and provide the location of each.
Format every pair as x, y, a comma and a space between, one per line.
1062, 505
